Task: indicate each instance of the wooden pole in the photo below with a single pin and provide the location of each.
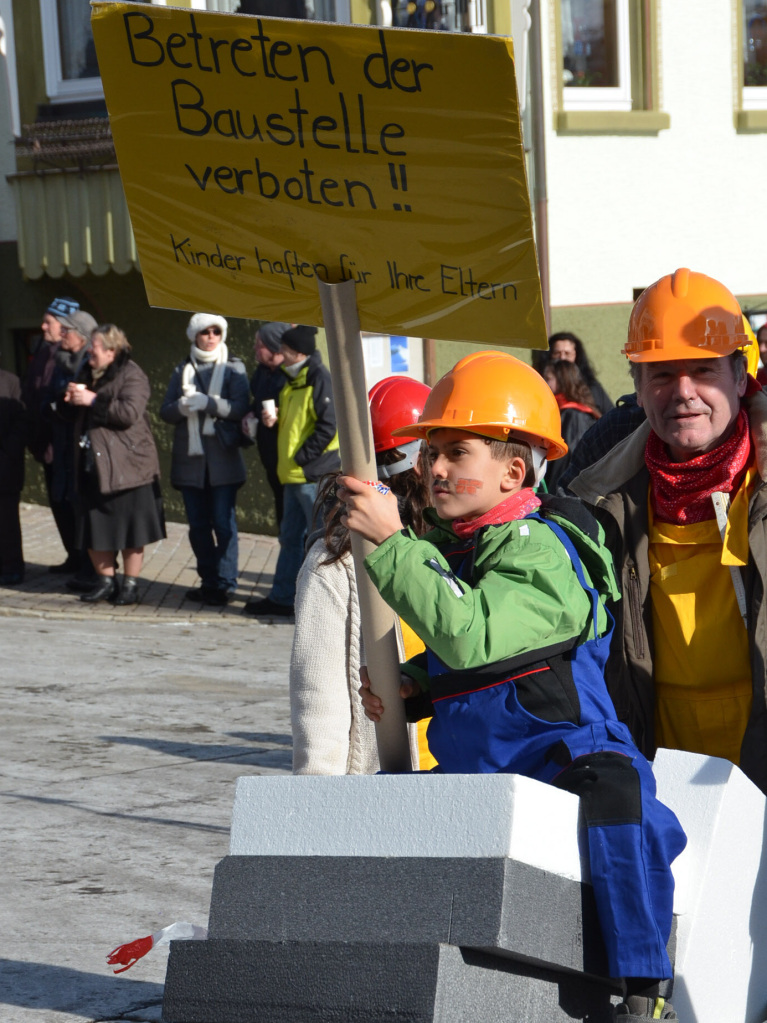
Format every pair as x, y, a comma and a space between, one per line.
355, 437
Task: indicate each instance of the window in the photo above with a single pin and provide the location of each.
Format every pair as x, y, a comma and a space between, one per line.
71, 70
607, 67
754, 55
443, 15
596, 68
315, 10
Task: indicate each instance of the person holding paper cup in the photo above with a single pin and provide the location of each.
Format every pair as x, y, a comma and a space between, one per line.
206, 400
307, 448
265, 386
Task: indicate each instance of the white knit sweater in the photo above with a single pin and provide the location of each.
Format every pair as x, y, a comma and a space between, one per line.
331, 734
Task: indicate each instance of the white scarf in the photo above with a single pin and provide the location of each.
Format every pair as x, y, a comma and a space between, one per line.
219, 356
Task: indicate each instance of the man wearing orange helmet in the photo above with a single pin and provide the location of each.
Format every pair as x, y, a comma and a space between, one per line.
685, 515
508, 595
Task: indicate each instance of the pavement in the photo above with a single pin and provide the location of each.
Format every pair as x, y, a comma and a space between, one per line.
122, 732
168, 572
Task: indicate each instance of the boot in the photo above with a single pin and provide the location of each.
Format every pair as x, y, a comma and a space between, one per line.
105, 589
128, 592
638, 1008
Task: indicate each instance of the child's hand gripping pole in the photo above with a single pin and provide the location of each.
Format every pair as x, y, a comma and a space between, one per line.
355, 436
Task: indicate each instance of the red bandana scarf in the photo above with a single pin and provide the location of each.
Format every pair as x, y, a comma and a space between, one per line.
514, 507
682, 491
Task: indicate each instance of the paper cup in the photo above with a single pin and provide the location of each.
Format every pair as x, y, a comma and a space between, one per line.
269, 406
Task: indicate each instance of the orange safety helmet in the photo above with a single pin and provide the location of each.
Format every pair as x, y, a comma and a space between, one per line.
495, 395
685, 315
396, 402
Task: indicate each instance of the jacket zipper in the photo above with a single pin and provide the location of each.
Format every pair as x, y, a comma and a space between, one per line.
635, 608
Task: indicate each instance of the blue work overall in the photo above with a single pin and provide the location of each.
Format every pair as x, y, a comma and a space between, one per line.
548, 715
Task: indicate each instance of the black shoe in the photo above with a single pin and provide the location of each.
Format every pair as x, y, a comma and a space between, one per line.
11, 579
105, 589
208, 595
68, 567
267, 607
128, 592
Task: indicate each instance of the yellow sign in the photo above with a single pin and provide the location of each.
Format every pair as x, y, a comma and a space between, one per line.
259, 155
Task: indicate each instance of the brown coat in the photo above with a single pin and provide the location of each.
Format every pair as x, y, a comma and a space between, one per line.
118, 425
616, 488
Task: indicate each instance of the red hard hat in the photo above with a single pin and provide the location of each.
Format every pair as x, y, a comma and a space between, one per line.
395, 403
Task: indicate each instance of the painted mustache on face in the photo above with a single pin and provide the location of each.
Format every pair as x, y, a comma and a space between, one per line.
441, 487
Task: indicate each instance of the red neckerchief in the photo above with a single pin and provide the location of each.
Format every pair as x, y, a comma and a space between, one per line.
514, 507
681, 491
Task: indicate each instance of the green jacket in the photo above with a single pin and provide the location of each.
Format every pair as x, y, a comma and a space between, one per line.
307, 439
525, 594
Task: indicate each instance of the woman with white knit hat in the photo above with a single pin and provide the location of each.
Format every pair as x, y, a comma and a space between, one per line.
205, 402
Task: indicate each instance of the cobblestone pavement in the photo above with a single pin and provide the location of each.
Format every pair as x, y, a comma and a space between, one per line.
122, 732
169, 571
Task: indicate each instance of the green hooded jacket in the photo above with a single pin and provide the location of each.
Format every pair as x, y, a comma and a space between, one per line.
525, 594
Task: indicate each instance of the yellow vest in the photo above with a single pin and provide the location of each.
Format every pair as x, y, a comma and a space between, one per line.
701, 658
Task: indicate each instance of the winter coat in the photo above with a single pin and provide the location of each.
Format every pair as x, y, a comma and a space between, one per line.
117, 424
37, 395
617, 489
12, 434
307, 439
331, 734
266, 383
222, 454
525, 596
576, 421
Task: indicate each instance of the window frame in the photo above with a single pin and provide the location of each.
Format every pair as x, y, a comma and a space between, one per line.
643, 116
616, 97
750, 101
58, 88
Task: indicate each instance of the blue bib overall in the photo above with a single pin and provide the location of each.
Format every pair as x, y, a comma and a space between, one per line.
548, 715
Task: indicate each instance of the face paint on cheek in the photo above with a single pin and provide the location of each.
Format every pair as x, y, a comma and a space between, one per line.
463, 486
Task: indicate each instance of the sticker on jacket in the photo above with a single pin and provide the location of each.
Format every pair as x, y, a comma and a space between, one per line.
449, 578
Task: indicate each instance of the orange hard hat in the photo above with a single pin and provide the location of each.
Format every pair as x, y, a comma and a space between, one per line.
395, 402
685, 315
495, 395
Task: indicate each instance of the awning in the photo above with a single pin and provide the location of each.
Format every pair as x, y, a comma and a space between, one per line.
73, 220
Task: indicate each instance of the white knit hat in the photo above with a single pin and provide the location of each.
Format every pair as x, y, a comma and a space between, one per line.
202, 320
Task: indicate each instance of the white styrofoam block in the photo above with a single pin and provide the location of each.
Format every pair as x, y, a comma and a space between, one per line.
472, 815
721, 961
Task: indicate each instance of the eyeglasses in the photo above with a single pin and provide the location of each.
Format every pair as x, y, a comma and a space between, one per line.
211, 330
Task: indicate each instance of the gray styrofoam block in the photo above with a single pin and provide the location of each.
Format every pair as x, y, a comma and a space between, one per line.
222, 981
408, 815
497, 905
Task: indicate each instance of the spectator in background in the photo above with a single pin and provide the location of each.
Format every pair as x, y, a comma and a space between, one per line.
565, 345
206, 400
761, 340
71, 357
37, 397
265, 385
307, 446
577, 410
12, 442
116, 463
